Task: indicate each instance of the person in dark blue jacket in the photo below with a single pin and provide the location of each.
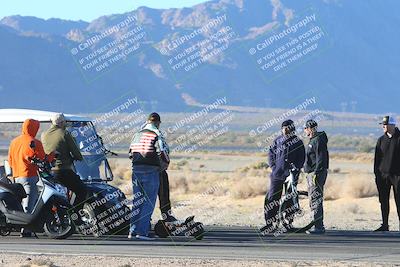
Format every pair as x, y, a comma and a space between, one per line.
286, 149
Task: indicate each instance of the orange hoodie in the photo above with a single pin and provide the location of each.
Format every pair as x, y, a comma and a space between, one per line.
20, 150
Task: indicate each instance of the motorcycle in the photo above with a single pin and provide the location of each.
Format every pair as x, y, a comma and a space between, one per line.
105, 211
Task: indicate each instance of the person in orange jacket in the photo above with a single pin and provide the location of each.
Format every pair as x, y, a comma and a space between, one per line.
25, 172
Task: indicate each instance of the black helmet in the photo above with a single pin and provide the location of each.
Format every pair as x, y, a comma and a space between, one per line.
311, 124
287, 123
154, 117
290, 124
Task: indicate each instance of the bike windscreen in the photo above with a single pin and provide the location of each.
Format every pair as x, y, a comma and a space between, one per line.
94, 164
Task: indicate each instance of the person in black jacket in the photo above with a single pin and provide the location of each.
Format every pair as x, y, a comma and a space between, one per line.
316, 167
387, 168
285, 150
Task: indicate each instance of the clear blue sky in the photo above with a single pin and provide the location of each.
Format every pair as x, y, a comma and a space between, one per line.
82, 9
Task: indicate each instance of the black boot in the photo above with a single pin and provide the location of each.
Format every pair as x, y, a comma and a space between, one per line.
268, 229
383, 228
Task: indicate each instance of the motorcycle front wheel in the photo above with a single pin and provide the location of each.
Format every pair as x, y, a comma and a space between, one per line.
58, 224
296, 218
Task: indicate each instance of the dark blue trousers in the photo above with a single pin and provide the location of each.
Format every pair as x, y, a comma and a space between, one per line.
271, 203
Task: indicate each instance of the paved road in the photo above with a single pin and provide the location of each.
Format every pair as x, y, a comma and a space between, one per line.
226, 243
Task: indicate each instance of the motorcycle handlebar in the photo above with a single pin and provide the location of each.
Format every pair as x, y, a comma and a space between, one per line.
293, 167
41, 164
106, 151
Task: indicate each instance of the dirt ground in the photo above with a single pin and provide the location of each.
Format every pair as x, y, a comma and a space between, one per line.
78, 261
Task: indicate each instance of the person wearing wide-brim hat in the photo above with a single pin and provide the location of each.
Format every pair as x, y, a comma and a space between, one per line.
387, 168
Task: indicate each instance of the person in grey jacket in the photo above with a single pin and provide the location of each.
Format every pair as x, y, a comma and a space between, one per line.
316, 166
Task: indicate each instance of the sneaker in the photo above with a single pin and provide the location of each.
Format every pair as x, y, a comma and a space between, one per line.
382, 228
25, 235
145, 238
131, 235
316, 231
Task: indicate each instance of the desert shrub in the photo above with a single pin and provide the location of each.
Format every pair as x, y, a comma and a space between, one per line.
335, 170
178, 165
355, 143
359, 186
354, 208
249, 187
261, 165
359, 157
353, 185
366, 148
179, 184
39, 263
333, 188
121, 171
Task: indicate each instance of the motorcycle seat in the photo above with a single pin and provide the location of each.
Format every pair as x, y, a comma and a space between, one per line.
15, 189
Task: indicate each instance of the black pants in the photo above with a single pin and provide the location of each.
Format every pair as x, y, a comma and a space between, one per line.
73, 182
384, 184
271, 203
272, 199
163, 195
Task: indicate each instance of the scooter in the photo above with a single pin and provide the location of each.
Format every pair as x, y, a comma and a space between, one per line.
50, 214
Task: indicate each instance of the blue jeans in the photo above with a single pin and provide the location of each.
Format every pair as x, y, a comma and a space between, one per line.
28, 203
145, 180
29, 184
